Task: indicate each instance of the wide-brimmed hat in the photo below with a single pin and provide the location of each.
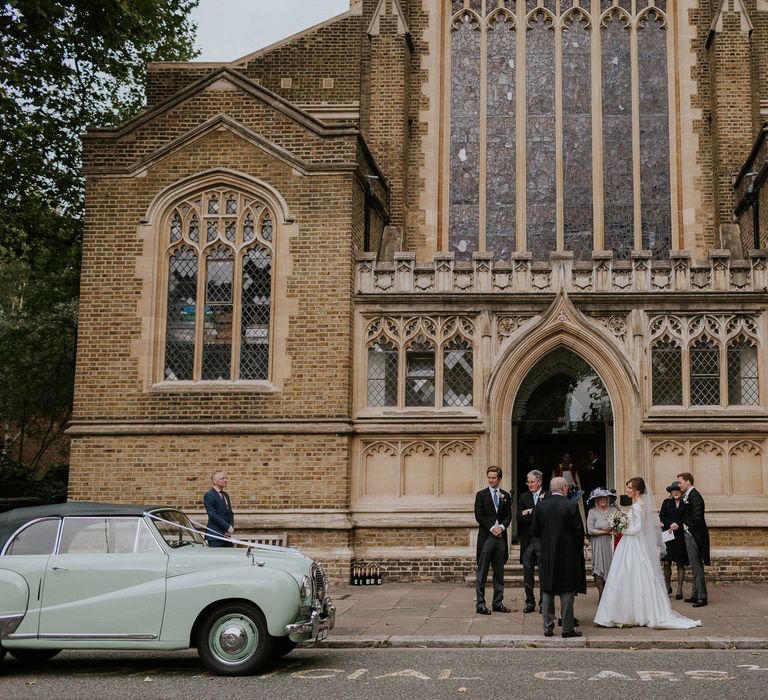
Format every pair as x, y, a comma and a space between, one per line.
674, 486
602, 493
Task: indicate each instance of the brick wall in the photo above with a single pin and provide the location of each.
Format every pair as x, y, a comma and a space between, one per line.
265, 471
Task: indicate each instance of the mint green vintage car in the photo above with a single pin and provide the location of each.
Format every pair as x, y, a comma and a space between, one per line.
104, 576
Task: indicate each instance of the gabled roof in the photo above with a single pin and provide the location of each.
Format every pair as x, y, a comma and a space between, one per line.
267, 97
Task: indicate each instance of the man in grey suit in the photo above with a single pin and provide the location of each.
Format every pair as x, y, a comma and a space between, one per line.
557, 522
696, 538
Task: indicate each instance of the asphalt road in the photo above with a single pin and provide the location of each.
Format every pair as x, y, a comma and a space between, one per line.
402, 674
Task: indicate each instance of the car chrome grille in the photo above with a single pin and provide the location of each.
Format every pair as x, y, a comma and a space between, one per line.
320, 580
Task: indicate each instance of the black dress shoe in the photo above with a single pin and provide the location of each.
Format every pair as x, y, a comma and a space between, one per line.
483, 611
501, 608
568, 635
690, 600
560, 621
548, 633
529, 609
699, 603
679, 596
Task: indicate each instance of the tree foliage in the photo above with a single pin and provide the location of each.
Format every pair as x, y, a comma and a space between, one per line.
65, 65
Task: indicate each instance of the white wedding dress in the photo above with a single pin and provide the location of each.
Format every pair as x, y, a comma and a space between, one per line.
634, 593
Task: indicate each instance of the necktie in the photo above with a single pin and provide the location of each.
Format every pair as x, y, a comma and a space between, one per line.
496, 499
535, 499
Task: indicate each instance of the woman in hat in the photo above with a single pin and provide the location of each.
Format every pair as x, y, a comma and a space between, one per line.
672, 511
600, 535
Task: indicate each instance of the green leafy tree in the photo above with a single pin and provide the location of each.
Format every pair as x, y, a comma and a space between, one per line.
65, 65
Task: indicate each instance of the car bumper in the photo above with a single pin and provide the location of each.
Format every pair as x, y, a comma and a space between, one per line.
317, 627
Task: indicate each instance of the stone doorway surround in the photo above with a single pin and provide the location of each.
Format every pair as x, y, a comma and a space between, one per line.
564, 326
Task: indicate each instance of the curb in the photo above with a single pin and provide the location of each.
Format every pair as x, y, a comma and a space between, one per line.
535, 642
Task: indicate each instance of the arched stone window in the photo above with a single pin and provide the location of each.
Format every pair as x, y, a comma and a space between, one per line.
218, 259
457, 373
420, 373
559, 122
667, 372
705, 373
382, 374
743, 384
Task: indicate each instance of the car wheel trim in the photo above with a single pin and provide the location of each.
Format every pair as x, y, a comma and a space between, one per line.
233, 638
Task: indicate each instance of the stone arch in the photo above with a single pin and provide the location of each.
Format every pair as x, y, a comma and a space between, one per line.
564, 326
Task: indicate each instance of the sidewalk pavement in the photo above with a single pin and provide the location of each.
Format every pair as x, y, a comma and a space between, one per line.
443, 615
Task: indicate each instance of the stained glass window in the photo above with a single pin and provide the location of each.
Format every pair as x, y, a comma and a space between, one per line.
465, 136
500, 149
542, 192
656, 213
578, 224
218, 285
541, 184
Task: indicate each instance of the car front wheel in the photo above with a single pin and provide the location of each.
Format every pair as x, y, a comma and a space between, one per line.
33, 656
233, 640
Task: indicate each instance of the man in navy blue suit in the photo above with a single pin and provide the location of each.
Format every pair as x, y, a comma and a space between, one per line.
221, 519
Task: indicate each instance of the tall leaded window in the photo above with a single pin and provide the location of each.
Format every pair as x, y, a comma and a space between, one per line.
705, 373
382, 374
457, 373
742, 373
558, 107
420, 373
667, 373
219, 288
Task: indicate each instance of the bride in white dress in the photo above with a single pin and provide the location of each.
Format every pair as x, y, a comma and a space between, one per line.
634, 593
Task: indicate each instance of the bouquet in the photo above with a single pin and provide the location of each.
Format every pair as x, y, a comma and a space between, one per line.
617, 520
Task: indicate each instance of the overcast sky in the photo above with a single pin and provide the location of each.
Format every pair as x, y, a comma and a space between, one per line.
229, 29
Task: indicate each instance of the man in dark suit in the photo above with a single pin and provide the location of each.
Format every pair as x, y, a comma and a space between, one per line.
493, 512
591, 475
696, 538
221, 519
557, 521
530, 547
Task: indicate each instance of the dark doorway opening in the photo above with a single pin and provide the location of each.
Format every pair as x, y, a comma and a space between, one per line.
563, 407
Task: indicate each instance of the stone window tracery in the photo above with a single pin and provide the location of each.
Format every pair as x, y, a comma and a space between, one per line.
667, 373
382, 374
705, 373
420, 373
532, 150
402, 367
218, 290
743, 381
705, 360
457, 373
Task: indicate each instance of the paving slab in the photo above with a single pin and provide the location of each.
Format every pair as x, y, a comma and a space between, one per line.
443, 615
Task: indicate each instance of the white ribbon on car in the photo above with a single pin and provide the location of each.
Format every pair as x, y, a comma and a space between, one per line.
199, 526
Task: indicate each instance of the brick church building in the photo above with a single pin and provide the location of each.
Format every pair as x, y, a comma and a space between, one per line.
358, 266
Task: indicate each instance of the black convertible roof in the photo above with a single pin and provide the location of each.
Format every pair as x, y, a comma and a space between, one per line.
14, 519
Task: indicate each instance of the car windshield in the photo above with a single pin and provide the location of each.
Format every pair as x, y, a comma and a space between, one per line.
176, 528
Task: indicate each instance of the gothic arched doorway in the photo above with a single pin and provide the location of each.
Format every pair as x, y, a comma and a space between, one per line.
563, 406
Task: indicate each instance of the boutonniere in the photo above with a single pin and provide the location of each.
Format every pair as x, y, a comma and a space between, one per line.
502, 498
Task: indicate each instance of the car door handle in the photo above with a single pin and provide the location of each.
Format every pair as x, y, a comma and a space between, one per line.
58, 568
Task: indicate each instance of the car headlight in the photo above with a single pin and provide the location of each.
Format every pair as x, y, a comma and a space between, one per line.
306, 587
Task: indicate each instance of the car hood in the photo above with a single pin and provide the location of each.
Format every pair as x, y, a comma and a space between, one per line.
198, 558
